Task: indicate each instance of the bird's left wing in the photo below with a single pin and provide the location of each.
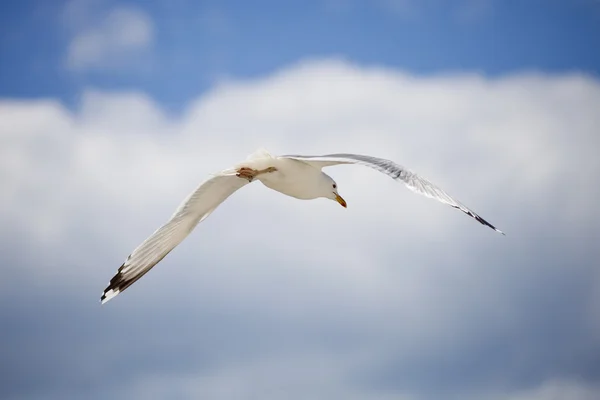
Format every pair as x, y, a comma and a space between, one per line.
195, 208
414, 182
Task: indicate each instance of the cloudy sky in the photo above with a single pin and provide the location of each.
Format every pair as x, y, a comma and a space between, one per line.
112, 112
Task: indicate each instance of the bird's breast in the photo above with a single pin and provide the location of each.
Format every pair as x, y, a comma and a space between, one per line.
292, 178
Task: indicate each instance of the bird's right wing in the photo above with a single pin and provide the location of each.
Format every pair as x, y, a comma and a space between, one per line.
413, 181
195, 208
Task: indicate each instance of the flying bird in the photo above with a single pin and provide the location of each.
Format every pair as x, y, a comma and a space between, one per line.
293, 175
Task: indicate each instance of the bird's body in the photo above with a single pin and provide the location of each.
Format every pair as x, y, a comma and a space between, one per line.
297, 176
292, 177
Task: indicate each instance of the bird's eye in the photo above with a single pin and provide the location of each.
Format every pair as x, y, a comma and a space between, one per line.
334, 185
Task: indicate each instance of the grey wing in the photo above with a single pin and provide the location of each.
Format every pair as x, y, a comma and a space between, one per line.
414, 182
195, 208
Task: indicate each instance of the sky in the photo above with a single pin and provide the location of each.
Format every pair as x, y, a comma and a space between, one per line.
112, 112
176, 50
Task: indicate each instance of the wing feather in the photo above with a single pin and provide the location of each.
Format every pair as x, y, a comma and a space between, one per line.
414, 182
193, 210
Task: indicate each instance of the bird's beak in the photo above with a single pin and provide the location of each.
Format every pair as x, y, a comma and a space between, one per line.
340, 200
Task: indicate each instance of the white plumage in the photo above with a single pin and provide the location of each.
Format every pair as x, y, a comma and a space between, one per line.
293, 175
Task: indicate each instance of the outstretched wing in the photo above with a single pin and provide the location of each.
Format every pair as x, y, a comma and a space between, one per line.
195, 208
413, 181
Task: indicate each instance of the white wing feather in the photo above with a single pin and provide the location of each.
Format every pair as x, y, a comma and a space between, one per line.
414, 182
216, 189
195, 208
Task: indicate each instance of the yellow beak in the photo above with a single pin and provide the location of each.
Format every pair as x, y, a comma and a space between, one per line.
340, 200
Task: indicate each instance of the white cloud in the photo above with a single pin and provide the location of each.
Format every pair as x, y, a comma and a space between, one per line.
393, 277
122, 148
106, 39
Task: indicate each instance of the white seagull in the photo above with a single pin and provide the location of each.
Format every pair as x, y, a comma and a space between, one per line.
293, 175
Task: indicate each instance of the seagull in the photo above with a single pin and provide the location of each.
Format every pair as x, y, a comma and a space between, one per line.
293, 175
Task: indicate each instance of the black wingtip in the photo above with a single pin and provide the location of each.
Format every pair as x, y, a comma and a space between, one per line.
479, 219
484, 222
122, 281
116, 285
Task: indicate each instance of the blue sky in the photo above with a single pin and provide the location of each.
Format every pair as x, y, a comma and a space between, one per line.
111, 112
194, 43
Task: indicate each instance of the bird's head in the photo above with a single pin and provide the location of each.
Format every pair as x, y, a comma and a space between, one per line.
329, 189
